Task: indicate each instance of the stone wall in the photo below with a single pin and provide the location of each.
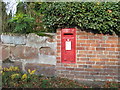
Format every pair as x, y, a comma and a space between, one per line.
97, 58
29, 51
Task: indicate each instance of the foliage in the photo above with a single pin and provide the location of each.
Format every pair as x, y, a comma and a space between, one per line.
13, 77
22, 23
100, 17
31, 9
6, 27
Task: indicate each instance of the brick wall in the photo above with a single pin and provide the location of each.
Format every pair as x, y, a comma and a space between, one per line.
97, 58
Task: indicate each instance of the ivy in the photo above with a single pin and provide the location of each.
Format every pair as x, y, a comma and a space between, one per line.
101, 17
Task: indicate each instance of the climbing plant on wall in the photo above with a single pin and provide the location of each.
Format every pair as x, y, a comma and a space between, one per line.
101, 17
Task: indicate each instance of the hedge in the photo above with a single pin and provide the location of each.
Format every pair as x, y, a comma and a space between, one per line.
100, 17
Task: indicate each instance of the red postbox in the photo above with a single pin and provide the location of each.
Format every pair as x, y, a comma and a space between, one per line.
68, 45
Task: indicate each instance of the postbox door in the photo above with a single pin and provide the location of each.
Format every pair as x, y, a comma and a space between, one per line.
68, 47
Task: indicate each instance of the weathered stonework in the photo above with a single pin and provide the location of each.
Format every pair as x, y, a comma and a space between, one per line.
10, 39
28, 50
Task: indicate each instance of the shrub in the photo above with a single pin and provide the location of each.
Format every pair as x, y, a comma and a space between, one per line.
101, 17
23, 23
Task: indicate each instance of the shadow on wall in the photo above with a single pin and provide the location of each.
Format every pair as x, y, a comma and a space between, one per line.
46, 51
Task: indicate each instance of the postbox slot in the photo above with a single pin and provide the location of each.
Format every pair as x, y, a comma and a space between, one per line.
68, 33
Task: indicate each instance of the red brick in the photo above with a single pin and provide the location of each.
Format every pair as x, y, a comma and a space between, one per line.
113, 59
58, 44
105, 45
81, 62
62, 75
97, 37
58, 61
70, 76
81, 41
79, 69
110, 67
97, 66
110, 49
58, 48
81, 48
97, 52
58, 40
91, 55
112, 38
106, 52
69, 68
95, 45
58, 54
65, 72
58, 37
82, 33
111, 42
79, 76
118, 45
94, 59
114, 45
100, 63
117, 49
104, 59
83, 59
57, 57
100, 48
91, 52
78, 44
102, 55
85, 66
69, 65
90, 63
58, 51
95, 73
90, 37
114, 53
83, 52
58, 33
90, 34
83, 37
82, 55
90, 48
84, 44
99, 41
60, 68
90, 41
111, 56
109, 77
89, 69
111, 63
